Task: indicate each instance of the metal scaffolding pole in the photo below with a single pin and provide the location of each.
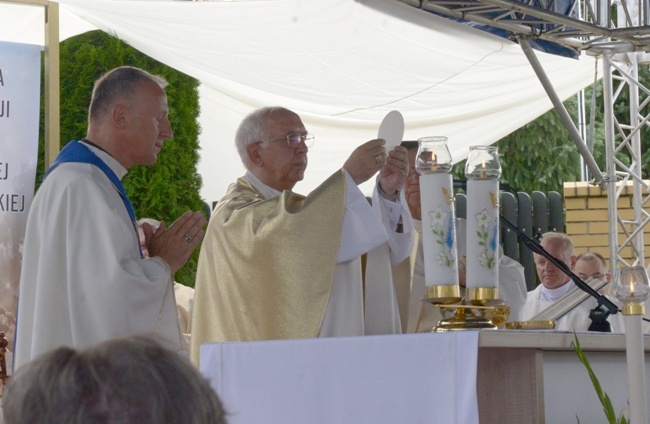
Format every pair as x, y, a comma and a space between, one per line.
561, 110
616, 31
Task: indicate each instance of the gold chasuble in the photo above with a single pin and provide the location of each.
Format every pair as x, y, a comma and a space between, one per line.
266, 266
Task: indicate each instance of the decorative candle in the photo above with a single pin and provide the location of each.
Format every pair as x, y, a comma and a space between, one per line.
483, 170
631, 289
433, 163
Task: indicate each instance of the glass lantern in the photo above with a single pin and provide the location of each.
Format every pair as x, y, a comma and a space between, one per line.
433, 156
631, 289
483, 163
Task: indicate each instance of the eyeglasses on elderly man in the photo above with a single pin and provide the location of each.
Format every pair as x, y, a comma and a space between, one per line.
294, 140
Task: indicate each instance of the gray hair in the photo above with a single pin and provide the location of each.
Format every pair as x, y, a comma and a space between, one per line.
121, 381
566, 245
116, 85
252, 129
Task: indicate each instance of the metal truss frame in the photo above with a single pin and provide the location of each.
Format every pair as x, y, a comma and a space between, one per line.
617, 32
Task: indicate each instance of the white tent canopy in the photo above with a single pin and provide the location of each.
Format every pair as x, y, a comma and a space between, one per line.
342, 65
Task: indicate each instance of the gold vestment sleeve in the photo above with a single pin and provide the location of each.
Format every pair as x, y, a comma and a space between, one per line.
266, 266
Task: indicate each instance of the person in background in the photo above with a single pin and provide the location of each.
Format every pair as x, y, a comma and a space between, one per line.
278, 265
84, 279
422, 315
127, 380
555, 284
591, 265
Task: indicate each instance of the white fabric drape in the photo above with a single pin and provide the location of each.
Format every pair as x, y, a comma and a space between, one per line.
342, 65
413, 378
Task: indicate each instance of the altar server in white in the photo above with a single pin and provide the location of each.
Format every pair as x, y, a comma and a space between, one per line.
556, 284
84, 278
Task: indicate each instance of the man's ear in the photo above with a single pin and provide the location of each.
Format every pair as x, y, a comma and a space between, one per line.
118, 115
253, 153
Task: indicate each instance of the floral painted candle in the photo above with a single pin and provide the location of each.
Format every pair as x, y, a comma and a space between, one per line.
483, 170
433, 163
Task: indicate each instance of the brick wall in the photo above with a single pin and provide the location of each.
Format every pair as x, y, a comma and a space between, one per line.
587, 223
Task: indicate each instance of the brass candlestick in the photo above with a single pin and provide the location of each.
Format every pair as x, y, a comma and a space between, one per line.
480, 309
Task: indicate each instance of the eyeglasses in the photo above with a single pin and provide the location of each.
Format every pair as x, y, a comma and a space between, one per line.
294, 140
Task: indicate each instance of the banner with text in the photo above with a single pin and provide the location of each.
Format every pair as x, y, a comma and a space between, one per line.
20, 83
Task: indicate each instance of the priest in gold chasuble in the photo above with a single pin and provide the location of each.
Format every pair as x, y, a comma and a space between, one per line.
278, 265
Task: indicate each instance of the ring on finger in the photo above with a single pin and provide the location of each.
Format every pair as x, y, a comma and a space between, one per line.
379, 158
187, 239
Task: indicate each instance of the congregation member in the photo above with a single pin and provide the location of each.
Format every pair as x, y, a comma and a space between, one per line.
279, 265
555, 284
126, 380
84, 278
423, 316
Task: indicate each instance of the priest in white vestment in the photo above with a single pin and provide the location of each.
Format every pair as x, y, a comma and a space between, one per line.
278, 265
84, 278
556, 284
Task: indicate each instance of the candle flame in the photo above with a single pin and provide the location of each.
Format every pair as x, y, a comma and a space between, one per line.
483, 172
434, 162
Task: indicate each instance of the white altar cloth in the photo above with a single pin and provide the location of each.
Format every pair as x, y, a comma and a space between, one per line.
410, 378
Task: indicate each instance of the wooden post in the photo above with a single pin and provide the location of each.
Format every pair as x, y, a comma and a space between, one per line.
3, 362
52, 84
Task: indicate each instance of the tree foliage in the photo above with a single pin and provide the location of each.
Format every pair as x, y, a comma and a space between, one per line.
541, 156
168, 188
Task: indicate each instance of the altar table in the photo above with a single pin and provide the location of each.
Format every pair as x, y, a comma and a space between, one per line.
500, 377
412, 378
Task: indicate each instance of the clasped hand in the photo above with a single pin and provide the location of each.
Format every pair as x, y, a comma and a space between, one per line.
175, 244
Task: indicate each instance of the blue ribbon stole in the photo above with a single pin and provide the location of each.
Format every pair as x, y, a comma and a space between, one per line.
77, 152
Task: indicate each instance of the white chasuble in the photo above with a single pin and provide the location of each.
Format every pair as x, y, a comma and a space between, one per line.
281, 265
83, 280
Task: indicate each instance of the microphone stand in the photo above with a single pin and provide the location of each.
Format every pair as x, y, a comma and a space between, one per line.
603, 309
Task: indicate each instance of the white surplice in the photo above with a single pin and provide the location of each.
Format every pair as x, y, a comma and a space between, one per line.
576, 319
351, 309
83, 280
184, 305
